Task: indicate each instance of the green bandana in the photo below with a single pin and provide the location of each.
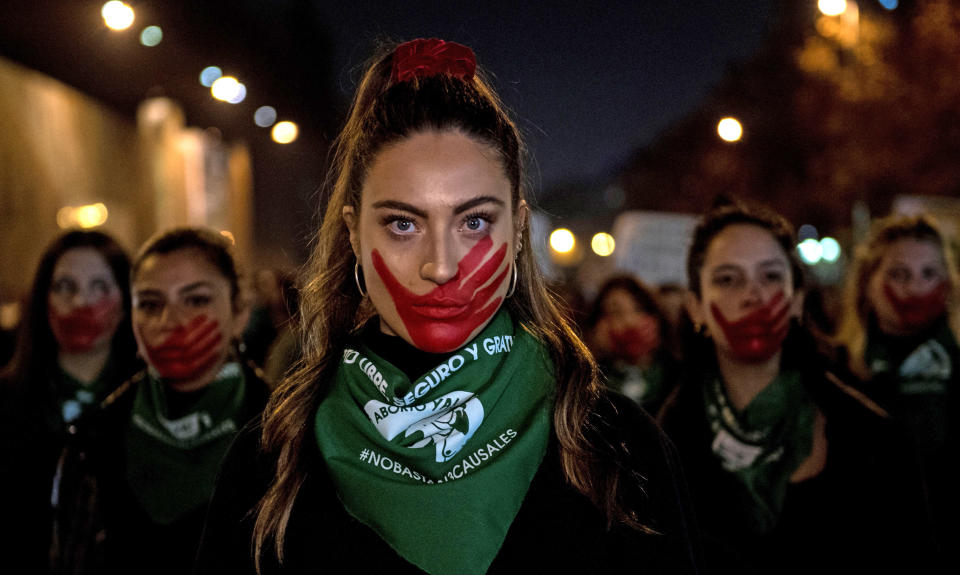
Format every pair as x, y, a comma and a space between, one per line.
765, 443
911, 380
643, 385
172, 463
438, 467
76, 397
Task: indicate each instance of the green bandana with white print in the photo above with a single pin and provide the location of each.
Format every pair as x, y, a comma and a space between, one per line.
172, 459
439, 466
763, 444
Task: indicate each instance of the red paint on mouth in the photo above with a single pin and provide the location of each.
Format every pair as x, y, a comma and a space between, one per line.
442, 319
78, 330
189, 351
918, 312
758, 335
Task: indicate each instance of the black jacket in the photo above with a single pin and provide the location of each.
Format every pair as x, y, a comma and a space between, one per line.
99, 526
865, 512
557, 530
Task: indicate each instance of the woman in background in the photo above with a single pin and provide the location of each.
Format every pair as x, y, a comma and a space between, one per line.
899, 337
791, 470
629, 336
74, 347
134, 481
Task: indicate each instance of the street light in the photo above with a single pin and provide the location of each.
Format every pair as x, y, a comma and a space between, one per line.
117, 15
730, 130
832, 7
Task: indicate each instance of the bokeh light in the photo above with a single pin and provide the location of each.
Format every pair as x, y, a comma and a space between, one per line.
602, 244
227, 234
117, 15
209, 75
265, 116
730, 129
284, 132
151, 36
811, 252
832, 7
89, 216
228, 89
807, 232
562, 240
889, 4
830, 248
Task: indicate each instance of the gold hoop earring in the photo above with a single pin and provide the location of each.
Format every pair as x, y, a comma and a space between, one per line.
513, 283
356, 278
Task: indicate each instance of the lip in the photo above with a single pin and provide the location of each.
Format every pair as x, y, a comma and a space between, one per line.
436, 311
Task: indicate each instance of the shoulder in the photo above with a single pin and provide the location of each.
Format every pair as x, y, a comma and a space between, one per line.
616, 414
631, 436
833, 393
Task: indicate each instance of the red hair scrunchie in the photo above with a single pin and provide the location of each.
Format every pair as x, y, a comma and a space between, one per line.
425, 57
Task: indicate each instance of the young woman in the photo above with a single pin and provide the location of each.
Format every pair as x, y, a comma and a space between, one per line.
133, 484
791, 471
899, 336
74, 347
446, 418
629, 335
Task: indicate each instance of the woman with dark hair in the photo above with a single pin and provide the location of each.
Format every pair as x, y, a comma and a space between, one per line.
74, 347
630, 335
899, 335
790, 469
445, 418
133, 483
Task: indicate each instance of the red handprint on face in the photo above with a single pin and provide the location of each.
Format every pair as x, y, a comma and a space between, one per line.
758, 335
442, 319
635, 341
78, 330
917, 312
189, 351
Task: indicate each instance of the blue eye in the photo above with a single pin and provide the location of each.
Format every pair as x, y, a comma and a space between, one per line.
474, 223
399, 224
478, 222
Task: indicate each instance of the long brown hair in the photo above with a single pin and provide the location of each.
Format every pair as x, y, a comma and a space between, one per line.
852, 333
36, 351
331, 307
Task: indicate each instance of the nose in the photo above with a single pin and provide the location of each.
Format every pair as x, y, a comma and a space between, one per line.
753, 294
441, 260
171, 317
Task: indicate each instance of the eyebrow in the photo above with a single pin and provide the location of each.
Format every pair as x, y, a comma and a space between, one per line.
467, 205
735, 267
160, 293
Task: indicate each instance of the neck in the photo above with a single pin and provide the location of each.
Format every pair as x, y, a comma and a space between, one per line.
86, 366
743, 381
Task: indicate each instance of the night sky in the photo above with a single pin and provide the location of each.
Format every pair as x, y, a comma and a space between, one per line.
588, 82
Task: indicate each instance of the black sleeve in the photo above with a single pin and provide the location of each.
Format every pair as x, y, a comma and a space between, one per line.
660, 494
226, 546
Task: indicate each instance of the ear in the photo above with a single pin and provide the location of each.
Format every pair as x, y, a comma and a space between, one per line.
521, 219
350, 219
692, 304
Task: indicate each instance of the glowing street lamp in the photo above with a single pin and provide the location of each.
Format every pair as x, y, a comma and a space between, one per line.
562, 241
832, 7
284, 132
117, 15
730, 130
602, 244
